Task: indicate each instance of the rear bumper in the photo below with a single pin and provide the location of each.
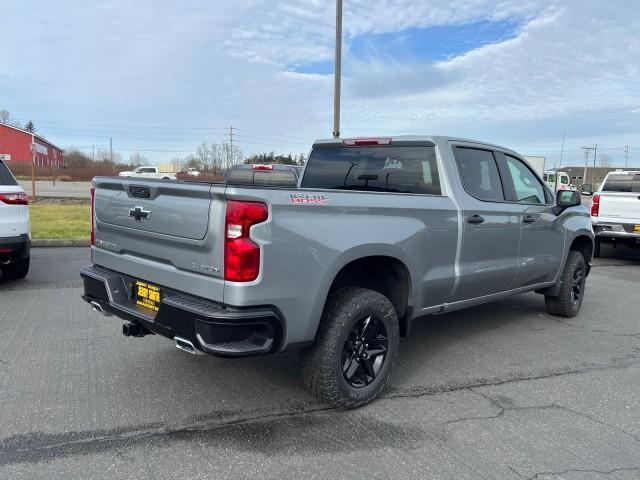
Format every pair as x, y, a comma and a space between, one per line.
211, 327
617, 230
15, 248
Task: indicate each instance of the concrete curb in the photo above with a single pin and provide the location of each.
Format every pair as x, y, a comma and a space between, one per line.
60, 242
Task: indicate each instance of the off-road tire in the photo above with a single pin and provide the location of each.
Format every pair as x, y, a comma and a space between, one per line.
563, 304
323, 374
16, 270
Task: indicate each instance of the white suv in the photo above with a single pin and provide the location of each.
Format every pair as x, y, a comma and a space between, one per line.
15, 241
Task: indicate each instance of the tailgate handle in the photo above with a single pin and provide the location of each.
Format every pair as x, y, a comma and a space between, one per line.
139, 191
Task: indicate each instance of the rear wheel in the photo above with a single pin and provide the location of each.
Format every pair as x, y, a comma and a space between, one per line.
16, 270
568, 302
355, 350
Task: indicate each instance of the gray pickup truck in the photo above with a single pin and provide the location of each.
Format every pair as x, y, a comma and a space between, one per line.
378, 232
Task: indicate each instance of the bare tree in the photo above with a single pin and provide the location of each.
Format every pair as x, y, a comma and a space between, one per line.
5, 116
138, 159
230, 155
104, 155
30, 127
604, 160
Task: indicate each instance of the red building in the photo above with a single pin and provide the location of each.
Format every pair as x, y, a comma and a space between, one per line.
19, 146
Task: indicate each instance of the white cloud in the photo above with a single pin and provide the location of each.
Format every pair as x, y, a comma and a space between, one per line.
573, 66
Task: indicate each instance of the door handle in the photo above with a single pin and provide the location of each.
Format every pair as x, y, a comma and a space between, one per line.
528, 219
475, 219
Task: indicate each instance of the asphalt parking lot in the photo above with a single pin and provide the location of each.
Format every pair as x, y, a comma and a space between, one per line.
498, 391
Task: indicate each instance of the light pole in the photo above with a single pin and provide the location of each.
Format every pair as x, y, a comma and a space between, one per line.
338, 70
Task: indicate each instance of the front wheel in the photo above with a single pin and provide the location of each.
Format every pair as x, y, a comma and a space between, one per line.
568, 302
355, 349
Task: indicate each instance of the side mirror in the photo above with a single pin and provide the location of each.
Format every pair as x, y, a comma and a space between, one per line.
587, 189
567, 198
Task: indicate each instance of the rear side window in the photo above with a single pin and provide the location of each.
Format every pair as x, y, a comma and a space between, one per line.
622, 183
377, 169
479, 172
6, 178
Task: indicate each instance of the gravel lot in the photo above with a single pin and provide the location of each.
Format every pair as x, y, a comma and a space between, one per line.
498, 391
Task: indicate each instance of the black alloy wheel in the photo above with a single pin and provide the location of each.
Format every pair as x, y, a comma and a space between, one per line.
364, 352
577, 286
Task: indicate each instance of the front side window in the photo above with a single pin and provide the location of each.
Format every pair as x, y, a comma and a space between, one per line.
527, 187
479, 173
395, 169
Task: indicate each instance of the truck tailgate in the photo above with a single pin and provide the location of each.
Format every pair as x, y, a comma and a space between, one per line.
624, 207
165, 233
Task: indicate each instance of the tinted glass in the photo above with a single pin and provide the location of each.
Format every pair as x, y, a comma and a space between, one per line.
275, 177
377, 169
479, 172
5, 176
528, 188
622, 183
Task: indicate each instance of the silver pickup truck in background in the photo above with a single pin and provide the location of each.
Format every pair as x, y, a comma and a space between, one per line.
378, 232
615, 210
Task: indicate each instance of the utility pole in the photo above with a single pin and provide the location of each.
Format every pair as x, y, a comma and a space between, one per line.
595, 154
338, 71
93, 154
33, 167
231, 159
111, 149
562, 148
626, 156
587, 150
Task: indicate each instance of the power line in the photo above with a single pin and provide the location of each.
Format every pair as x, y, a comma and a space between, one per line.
169, 127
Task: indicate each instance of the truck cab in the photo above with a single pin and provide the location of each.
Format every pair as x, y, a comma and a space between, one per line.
557, 181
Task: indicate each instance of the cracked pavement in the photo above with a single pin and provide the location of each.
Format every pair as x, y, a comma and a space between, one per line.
498, 391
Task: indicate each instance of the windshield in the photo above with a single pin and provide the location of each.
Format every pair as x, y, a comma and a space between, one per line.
550, 177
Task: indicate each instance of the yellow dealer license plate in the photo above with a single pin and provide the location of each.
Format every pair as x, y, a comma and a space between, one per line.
636, 229
148, 296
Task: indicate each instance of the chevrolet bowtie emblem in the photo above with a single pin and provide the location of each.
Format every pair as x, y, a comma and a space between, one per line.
139, 213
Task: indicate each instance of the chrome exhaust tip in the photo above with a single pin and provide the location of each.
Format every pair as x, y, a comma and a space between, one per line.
98, 308
186, 346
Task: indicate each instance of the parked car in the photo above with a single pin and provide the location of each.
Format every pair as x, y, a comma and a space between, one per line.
615, 210
379, 232
15, 231
148, 172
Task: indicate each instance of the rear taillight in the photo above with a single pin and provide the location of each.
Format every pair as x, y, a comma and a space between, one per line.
241, 254
93, 232
595, 205
14, 198
262, 167
366, 142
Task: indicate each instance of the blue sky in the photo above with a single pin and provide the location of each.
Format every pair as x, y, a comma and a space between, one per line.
161, 76
420, 44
